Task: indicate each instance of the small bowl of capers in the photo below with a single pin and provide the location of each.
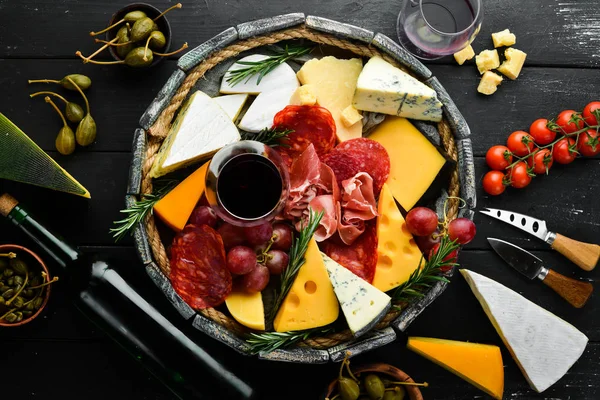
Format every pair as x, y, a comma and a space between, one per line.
24, 285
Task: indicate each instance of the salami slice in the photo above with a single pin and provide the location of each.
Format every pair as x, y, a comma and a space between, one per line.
311, 124
199, 272
360, 257
360, 155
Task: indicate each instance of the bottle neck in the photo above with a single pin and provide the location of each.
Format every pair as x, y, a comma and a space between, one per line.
56, 247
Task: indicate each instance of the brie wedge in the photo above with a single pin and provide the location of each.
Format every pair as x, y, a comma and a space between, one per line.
281, 76
232, 104
543, 345
363, 304
260, 114
201, 128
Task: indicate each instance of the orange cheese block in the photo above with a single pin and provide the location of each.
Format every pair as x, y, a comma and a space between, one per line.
247, 308
175, 208
397, 253
311, 301
479, 364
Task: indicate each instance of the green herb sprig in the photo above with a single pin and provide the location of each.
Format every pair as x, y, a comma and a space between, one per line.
296, 259
140, 209
423, 278
269, 136
269, 341
263, 67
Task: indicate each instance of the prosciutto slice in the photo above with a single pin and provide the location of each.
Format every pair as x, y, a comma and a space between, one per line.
357, 206
328, 224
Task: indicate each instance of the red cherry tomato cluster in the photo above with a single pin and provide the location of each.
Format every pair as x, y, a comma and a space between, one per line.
532, 153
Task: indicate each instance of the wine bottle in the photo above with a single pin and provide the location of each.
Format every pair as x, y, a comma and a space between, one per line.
103, 296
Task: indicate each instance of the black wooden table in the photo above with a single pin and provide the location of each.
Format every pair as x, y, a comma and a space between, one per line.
61, 355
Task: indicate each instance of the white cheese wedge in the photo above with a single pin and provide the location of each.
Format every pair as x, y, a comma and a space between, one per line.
232, 104
201, 128
260, 114
363, 305
543, 345
383, 88
281, 76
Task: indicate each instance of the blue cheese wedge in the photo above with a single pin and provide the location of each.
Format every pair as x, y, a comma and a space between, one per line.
281, 76
260, 114
201, 128
232, 104
543, 345
363, 304
385, 89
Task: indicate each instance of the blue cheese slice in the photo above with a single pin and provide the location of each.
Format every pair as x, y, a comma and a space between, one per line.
363, 304
383, 88
543, 345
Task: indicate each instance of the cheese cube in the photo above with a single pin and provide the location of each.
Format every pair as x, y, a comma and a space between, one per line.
305, 95
504, 38
489, 83
486, 60
511, 68
350, 116
465, 54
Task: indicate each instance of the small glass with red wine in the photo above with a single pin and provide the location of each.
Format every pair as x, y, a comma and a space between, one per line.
431, 29
247, 183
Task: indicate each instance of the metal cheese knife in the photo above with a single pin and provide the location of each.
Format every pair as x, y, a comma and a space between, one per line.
575, 292
585, 255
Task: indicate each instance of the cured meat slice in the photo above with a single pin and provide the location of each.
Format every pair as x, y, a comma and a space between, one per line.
360, 257
328, 224
310, 124
358, 200
198, 267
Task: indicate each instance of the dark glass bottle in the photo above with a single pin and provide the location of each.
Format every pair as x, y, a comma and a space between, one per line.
103, 296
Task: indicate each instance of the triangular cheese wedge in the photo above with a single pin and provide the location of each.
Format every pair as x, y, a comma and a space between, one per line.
232, 104
479, 364
311, 302
543, 345
363, 305
281, 76
247, 308
22, 160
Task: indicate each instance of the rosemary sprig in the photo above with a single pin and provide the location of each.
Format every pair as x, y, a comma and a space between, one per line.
423, 278
269, 136
140, 209
263, 67
296, 259
269, 341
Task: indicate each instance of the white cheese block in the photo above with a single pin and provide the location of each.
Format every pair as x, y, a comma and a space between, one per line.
281, 76
201, 128
383, 88
543, 345
363, 304
260, 114
232, 104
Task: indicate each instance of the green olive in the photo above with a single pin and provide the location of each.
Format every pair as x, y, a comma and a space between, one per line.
348, 388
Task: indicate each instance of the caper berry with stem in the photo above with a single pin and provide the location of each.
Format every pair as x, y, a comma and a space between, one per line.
19, 266
10, 317
82, 81
131, 16
86, 130
141, 29
73, 111
395, 393
8, 272
374, 386
65, 140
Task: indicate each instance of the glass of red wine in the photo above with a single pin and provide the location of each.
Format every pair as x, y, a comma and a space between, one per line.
431, 29
247, 183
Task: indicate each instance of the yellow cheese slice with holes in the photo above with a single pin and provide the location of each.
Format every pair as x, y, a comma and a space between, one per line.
247, 308
311, 301
397, 253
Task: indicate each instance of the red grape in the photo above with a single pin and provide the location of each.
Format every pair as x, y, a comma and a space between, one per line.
283, 237
259, 234
241, 260
261, 248
257, 279
426, 243
451, 258
203, 215
277, 261
462, 230
421, 221
232, 235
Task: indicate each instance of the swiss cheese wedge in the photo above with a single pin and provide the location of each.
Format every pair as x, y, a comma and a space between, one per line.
415, 162
479, 364
397, 253
334, 82
311, 301
247, 308
175, 208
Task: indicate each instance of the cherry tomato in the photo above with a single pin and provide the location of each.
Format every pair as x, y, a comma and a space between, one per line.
591, 117
519, 175
493, 183
541, 133
565, 151
498, 157
541, 161
520, 143
588, 143
564, 121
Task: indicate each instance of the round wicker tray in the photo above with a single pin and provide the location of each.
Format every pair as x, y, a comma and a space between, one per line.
208, 62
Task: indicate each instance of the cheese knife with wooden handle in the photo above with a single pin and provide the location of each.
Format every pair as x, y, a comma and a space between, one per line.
585, 255
575, 292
